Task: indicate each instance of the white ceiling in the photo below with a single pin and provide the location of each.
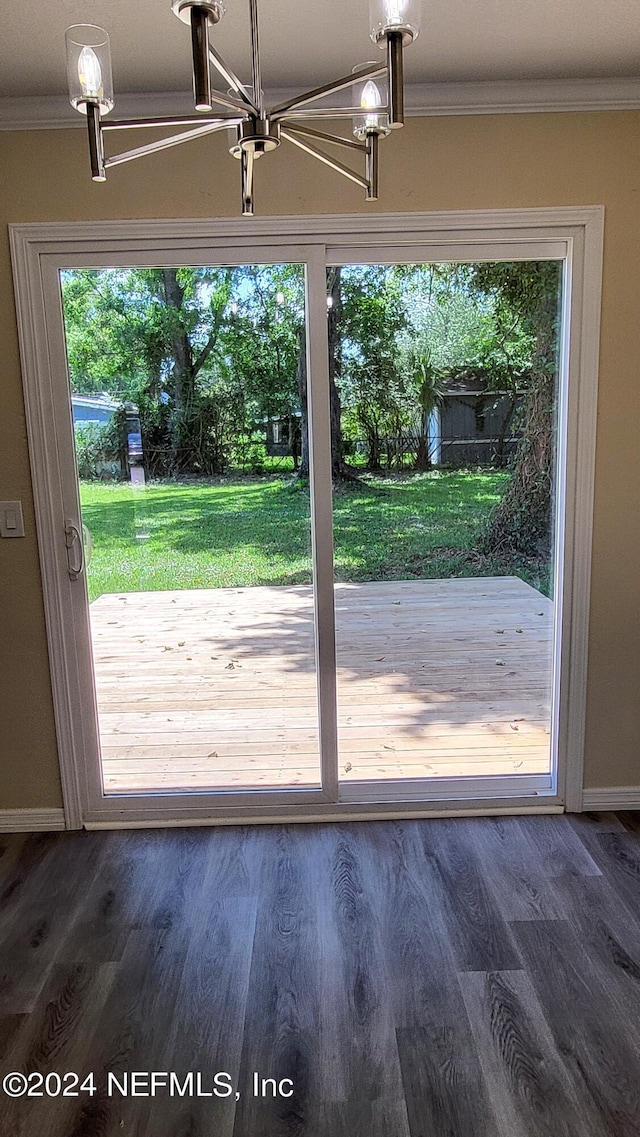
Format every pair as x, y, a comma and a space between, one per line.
306, 42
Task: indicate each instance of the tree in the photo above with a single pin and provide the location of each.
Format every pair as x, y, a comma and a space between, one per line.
429, 384
197, 432
146, 335
369, 378
301, 385
454, 322
522, 521
263, 350
204, 369
380, 403
210, 354
334, 332
505, 351
113, 342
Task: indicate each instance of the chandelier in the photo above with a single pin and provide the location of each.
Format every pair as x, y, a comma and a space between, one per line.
256, 129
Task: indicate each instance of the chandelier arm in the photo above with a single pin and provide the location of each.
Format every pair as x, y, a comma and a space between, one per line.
335, 165
373, 72
334, 139
233, 81
165, 143
325, 112
231, 103
171, 120
256, 71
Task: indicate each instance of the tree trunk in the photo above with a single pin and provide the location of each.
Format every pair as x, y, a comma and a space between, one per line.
189, 445
504, 430
303, 467
338, 467
294, 440
423, 458
374, 461
182, 372
522, 521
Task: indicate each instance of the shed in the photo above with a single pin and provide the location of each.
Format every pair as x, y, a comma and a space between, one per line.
474, 426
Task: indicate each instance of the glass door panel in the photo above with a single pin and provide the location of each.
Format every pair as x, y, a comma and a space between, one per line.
188, 398
444, 405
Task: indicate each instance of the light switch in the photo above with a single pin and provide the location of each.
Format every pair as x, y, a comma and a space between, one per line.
11, 522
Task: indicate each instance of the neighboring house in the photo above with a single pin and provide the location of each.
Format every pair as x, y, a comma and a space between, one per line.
96, 409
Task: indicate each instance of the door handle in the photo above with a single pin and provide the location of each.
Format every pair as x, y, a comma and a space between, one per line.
73, 539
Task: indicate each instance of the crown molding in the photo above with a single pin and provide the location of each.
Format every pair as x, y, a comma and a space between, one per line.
42, 112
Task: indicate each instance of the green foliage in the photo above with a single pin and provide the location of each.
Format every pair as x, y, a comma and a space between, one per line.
248, 452
446, 317
97, 450
259, 349
529, 293
204, 353
208, 354
429, 380
375, 397
427, 384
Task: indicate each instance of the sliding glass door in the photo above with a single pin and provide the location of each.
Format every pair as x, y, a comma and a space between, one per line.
313, 502
198, 529
445, 477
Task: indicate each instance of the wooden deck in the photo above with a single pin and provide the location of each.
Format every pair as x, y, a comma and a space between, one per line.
212, 689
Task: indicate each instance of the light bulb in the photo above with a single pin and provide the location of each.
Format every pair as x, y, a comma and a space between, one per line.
374, 120
90, 73
394, 11
394, 16
369, 100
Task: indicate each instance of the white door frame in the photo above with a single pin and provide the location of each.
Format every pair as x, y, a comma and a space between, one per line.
573, 234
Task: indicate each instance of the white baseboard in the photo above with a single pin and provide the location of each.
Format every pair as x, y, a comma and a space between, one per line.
31, 820
612, 797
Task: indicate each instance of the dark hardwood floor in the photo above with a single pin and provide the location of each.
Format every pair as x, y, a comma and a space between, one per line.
454, 978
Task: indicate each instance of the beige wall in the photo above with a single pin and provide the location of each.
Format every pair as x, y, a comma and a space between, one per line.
435, 163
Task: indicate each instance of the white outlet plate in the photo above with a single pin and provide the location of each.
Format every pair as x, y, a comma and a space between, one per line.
11, 521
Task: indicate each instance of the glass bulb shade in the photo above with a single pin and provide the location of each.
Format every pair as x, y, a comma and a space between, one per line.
394, 16
370, 98
89, 67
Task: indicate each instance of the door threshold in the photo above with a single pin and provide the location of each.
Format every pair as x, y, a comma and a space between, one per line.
323, 812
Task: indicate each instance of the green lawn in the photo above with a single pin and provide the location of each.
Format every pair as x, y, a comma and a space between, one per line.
255, 530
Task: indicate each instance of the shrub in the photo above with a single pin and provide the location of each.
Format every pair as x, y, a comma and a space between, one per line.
97, 451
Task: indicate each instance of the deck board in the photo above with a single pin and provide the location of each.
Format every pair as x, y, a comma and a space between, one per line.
210, 688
